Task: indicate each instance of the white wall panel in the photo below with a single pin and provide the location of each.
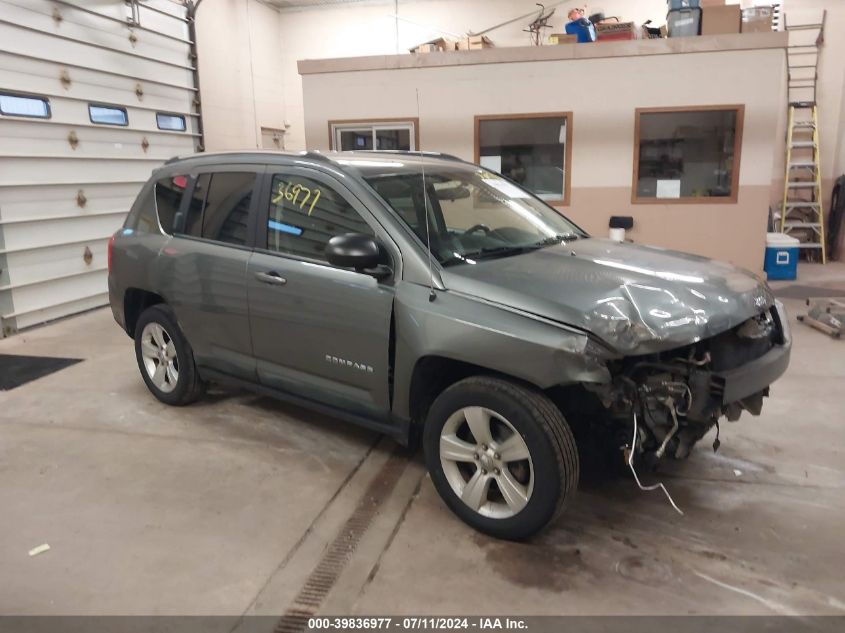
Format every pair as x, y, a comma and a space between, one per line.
60, 200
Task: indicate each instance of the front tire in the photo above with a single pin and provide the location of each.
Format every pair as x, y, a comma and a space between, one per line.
165, 358
501, 456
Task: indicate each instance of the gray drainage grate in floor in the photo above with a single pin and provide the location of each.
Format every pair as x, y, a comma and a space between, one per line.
324, 576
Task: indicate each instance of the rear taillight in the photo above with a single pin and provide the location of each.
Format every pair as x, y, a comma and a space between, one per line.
110, 249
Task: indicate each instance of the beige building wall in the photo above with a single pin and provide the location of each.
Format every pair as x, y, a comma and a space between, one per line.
603, 94
372, 29
239, 47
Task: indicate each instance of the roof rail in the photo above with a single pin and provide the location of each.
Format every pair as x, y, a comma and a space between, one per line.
413, 152
314, 155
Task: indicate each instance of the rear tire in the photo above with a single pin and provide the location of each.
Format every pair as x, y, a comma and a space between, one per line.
501, 456
165, 357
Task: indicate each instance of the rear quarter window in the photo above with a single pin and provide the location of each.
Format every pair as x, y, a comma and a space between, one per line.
142, 216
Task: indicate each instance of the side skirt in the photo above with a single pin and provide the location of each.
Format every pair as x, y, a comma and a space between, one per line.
398, 428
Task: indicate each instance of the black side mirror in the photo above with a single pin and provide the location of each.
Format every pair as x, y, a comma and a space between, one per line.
354, 250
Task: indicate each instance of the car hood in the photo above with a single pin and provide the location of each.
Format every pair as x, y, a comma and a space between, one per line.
637, 299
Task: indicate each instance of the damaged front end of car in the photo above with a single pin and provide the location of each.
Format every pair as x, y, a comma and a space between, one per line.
681, 393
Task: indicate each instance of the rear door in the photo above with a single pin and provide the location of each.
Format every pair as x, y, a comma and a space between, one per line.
318, 332
205, 266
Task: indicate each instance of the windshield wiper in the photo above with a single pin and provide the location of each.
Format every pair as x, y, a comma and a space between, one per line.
513, 249
493, 251
451, 261
557, 239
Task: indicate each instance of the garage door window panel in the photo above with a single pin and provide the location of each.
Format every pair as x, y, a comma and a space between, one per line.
173, 122
687, 154
383, 135
107, 115
305, 214
24, 106
533, 150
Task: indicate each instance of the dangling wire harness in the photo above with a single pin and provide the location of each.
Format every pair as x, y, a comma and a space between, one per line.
634, 471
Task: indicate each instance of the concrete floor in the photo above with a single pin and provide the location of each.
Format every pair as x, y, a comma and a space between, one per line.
227, 506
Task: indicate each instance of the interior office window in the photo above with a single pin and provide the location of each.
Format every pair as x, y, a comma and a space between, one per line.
107, 115
168, 197
688, 153
226, 212
24, 105
306, 214
532, 150
175, 122
385, 135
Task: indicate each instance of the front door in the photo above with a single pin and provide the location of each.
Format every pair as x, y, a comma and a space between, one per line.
318, 332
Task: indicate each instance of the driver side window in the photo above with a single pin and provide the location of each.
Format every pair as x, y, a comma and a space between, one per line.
305, 214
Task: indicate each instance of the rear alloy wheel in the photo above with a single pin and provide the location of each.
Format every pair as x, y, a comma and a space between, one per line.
165, 358
501, 456
160, 360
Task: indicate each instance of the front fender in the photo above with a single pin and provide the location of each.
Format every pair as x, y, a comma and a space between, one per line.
473, 331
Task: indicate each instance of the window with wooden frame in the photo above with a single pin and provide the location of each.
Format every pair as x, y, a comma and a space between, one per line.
534, 150
687, 155
375, 134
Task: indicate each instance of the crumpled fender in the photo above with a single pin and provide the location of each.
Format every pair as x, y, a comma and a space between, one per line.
474, 331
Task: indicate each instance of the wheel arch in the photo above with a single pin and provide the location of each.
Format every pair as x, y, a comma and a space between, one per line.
135, 301
432, 374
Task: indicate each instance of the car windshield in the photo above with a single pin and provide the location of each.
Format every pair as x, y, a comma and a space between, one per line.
473, 214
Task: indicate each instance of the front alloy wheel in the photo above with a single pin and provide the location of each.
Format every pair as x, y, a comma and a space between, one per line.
501, 455
486, 462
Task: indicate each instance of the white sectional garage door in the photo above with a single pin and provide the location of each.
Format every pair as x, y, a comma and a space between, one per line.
85, 90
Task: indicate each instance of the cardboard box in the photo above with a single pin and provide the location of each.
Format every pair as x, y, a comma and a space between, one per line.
434, 46
472, 43
719, 20
611, 31
712, 3
757, 20
562, 38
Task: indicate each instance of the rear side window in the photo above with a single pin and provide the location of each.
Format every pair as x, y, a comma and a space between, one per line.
219, 208
169, 193
23, 105
193, 216
227, 207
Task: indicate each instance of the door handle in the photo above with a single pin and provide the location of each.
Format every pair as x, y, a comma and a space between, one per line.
273, 278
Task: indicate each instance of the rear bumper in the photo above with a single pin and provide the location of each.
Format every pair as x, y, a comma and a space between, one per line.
755, 376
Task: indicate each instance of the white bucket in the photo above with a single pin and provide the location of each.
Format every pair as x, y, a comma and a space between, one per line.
617, 235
